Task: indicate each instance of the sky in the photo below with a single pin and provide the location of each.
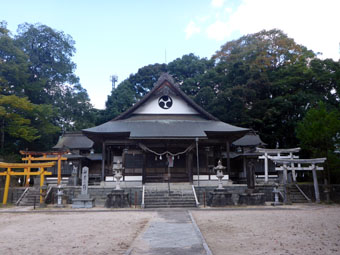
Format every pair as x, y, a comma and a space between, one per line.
119, 37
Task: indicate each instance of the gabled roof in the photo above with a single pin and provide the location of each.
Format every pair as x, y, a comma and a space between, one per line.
74, 140
166, 80
199, 124
250, 139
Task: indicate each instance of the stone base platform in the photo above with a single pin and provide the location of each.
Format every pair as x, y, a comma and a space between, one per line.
83, 202
220, 197
252, 199
117, 199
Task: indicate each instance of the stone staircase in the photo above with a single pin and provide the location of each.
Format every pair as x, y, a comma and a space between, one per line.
295, 195
157, 195
33, 194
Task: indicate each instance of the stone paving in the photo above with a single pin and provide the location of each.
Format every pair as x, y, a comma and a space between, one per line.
171, 232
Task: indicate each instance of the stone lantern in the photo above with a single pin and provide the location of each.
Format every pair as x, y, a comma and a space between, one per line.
219, 173
117, 171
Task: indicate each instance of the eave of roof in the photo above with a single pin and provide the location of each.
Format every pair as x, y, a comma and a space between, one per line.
148, 129
74, 140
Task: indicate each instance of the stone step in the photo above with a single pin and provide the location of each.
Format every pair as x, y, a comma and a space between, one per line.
171, 206
296, 196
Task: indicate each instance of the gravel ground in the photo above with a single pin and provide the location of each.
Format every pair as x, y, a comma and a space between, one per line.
311, 229
302, 229
70, 233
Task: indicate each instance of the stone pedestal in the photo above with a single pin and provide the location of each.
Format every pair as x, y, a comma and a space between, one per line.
83, 201
117, 199
220, 197
252, 198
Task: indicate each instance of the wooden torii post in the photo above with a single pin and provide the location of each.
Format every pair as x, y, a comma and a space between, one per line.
290, 165
276, 153
9, 172
58, 156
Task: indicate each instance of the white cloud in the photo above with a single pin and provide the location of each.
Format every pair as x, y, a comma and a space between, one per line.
218, 31
312, 23
217, 3
191, 29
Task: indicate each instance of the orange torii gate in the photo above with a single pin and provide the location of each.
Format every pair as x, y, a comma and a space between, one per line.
43, 157
8, 173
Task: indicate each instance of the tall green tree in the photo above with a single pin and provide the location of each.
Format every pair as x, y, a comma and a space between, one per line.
51, 75
319, 134
22, 120
260, 85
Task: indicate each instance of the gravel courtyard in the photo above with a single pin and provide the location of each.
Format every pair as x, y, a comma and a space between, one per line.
311, 229
305, 229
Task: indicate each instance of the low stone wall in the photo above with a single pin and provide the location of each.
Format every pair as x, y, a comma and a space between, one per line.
135, 193
13, 194
97, 192
204, 193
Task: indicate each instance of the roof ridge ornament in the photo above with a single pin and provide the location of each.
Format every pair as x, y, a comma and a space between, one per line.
165, 77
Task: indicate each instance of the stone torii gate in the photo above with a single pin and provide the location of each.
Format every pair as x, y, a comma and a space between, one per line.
301, 165
276, 153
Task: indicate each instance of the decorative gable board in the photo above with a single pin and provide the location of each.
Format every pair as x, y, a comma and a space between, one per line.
165, 104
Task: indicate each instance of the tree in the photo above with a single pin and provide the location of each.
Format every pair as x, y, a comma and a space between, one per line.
13, 65
261, 80
121, 98
51, 75
13, 112
319, 134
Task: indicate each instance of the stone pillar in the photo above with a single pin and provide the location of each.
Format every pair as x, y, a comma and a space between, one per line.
316, 185
85, 181
292, 165
83, 200
266, 167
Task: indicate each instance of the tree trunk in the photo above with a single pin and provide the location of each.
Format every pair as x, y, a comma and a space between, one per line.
3, 136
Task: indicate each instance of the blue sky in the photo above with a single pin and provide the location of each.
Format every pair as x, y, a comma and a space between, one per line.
118, 37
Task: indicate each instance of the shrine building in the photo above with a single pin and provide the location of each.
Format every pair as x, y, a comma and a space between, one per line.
165, 136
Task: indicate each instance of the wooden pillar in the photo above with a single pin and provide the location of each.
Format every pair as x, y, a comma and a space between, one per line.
42, 179
197, 163
103, 161
228, 158
28, 170
144, 168
8, 180
316, 185
189, 158
244, 166
59, 169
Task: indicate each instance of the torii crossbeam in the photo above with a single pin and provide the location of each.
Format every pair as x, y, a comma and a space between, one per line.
277, 153
43, 156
